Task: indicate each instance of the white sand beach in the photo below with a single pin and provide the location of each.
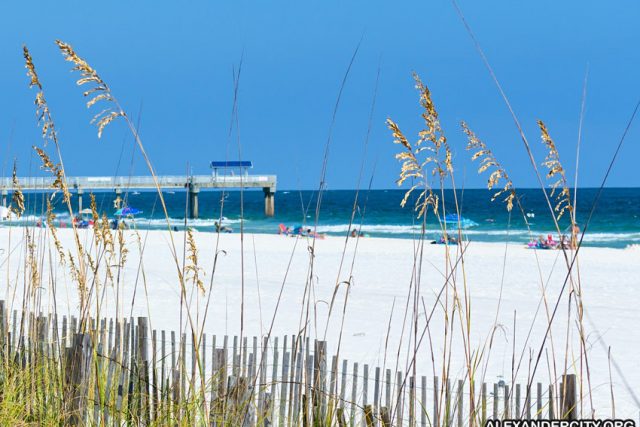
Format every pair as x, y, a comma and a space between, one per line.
382, 271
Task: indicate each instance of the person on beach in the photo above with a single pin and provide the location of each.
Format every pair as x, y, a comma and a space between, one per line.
449, 239
444, 239
222, 228
542, 243
284, 229
575, 231
308, 233
550, 242
354, 233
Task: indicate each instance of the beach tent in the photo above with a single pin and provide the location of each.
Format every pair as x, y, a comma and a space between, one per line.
454, 220
127, 211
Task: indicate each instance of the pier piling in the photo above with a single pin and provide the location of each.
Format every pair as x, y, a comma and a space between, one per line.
118, 200
193, 201
80, 192
269, 201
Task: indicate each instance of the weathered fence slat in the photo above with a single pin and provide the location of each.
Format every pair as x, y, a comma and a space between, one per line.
436, 402
399, 401
423, 402
460, 403
539, 401
354, 394
568, 401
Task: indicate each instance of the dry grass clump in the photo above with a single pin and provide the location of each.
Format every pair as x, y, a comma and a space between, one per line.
54, 232
487, 162
453, 299
430, 159
45, 121
17, 197
42, 108
55, 170
192, 270
98, 92
552, 162
414, 164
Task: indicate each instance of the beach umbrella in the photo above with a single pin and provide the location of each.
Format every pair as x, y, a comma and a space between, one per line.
127, 211
86, 212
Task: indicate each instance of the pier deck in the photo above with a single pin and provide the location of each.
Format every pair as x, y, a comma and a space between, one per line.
119, 184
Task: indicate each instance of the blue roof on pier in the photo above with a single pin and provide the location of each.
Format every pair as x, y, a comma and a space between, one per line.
232, 164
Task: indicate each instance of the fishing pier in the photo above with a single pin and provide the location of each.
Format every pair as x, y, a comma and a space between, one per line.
193, 184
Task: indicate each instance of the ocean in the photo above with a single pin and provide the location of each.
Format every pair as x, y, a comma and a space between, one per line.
615, 222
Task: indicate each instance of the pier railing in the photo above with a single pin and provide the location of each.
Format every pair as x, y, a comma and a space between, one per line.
125, 372
145, 182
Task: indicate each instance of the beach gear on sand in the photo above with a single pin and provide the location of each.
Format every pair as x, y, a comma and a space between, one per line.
442, 240
314, 235
222, 228
543, 243
300, 231
539, 245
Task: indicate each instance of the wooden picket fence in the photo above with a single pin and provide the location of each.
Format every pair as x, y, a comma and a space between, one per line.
123, 372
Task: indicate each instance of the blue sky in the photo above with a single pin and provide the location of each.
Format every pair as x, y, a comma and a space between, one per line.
173, 61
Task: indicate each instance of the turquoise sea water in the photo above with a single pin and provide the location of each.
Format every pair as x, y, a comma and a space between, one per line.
615, 223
